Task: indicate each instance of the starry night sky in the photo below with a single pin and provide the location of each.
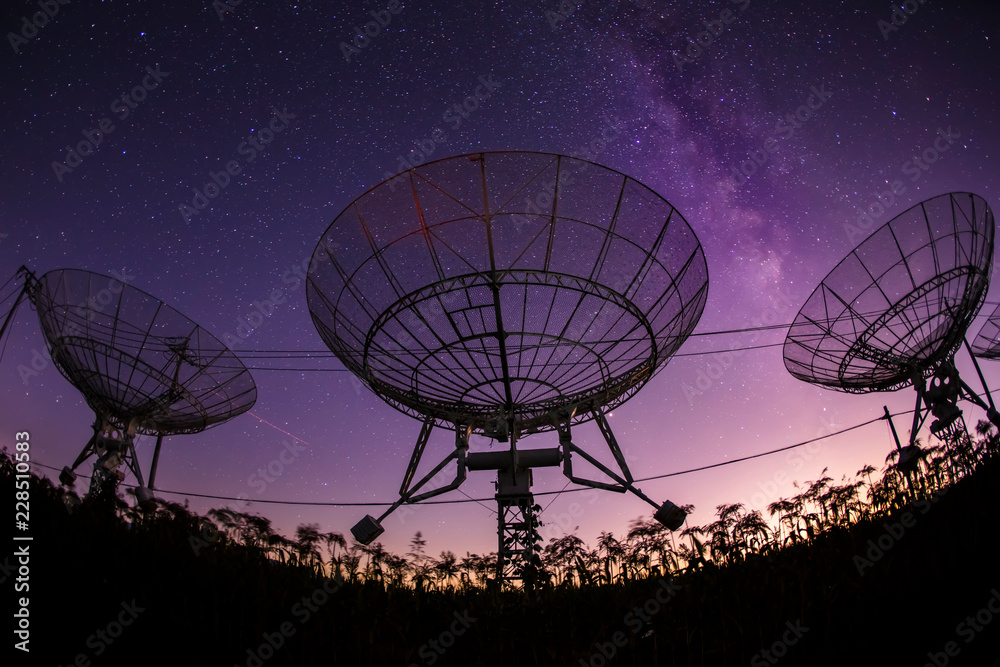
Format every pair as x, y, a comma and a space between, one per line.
680, 118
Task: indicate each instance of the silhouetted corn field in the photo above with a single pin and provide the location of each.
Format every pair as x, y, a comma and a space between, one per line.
869, 571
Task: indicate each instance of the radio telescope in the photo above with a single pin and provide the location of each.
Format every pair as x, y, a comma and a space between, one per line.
987, 346
142, 367
895, 310
987, 343
505, 294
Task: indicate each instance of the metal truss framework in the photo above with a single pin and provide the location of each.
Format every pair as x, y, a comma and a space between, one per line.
142, 367
506, 294
899, 302
497, 287
894, 312
516, 521
517, 534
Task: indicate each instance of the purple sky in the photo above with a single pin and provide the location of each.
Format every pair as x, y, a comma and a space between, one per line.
676, 117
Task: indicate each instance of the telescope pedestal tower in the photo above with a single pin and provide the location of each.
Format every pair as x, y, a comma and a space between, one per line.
517, 525
508, 294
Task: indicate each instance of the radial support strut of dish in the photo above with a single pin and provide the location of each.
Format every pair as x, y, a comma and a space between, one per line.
506, 294
142, 367
894, 312
987, 346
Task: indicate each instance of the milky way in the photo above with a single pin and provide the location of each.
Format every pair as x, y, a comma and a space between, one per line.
200, 151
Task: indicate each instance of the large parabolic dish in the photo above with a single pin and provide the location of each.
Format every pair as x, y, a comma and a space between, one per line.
899, 303
987, 343
507, 284
137, 361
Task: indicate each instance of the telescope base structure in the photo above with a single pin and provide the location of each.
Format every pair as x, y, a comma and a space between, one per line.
517, 528
938, 398
112, 449
518, 550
